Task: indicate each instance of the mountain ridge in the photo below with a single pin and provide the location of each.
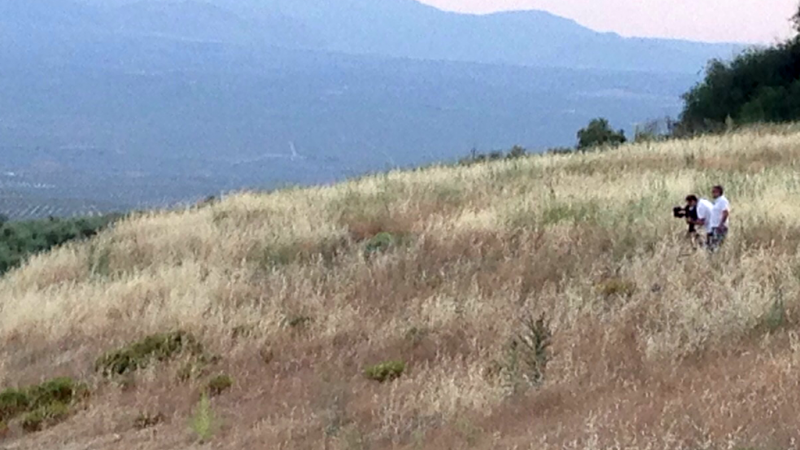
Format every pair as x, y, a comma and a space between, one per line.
396, 28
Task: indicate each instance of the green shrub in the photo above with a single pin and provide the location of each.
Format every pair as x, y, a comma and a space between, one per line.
44, 416
43, 404
219, 384
386, 371
380, 243
157, 347
12, 403
58, 390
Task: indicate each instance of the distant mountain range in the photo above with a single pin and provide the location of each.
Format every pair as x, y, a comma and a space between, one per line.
394, 28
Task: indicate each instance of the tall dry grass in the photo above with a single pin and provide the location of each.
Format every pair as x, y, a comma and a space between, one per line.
653, 345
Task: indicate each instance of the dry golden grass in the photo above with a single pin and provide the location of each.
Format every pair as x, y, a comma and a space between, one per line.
653, 346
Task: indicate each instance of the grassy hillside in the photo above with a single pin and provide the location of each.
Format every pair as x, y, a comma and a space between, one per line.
546, 302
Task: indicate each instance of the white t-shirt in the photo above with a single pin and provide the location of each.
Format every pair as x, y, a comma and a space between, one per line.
720, 205
704, 212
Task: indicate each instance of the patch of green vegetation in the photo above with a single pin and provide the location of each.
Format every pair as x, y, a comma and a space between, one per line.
203, 422
58, 390
140, 354
44, 416
381, 242
41, 405
386, 371
219, 384
20, 240
12, 402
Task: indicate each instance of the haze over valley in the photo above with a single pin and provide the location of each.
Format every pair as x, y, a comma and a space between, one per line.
117, 105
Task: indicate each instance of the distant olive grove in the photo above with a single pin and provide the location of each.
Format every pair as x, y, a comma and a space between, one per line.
20, 240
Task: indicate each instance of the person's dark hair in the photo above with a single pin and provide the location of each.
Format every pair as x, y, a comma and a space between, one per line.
691, 198
719, 188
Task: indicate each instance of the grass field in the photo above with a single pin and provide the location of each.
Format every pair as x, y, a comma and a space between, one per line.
541, 303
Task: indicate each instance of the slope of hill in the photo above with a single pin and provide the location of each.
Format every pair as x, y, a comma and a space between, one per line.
642, 343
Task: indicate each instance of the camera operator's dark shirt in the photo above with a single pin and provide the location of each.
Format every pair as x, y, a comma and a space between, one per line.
691, 214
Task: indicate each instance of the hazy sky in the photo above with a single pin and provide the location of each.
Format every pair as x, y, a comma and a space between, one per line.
707, 20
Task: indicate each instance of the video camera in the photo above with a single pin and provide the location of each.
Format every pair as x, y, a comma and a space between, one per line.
682, 212
686, 212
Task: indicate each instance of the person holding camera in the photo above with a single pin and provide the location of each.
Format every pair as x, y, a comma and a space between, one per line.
698, 213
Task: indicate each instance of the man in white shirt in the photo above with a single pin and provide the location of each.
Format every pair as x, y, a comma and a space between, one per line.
703, 209
719, 217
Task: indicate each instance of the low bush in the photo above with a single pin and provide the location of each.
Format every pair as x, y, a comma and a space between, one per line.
43, 404
380, 242
157, 347
218, 385
58, 390
386, 371
12, 402
44, 416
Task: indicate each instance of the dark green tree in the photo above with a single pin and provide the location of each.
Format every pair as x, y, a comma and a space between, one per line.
599, 133
796, 20
759, 85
